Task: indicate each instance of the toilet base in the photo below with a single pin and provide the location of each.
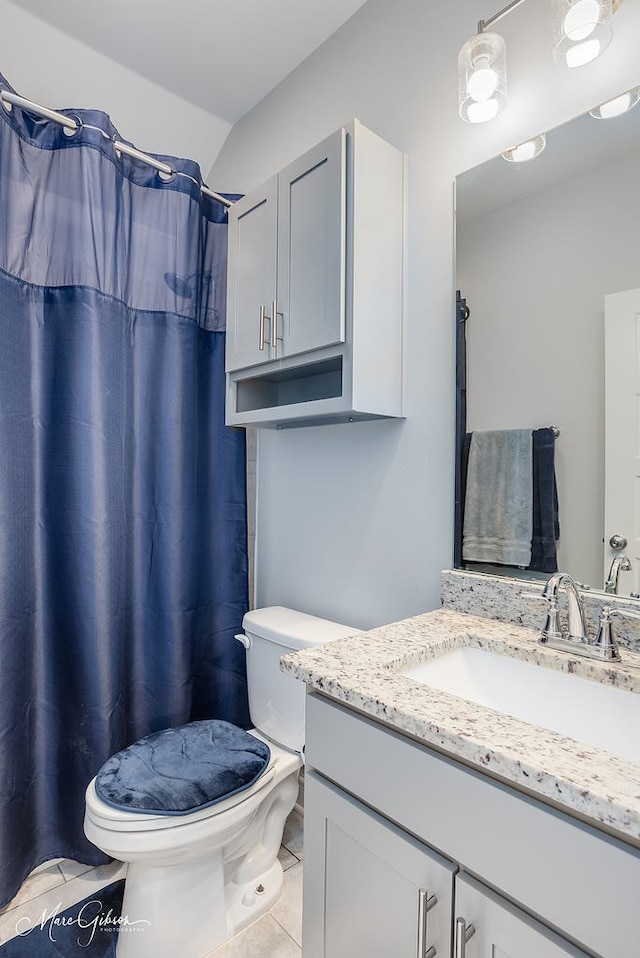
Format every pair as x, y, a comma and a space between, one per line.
196, 924
247, 904
190, 906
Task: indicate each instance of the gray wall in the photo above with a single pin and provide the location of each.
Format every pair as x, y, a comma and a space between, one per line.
45, 65
354, 522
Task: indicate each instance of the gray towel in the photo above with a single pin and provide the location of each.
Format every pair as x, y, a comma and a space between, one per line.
498, 514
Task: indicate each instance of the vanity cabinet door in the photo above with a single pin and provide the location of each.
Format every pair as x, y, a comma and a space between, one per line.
370, 889
500, 930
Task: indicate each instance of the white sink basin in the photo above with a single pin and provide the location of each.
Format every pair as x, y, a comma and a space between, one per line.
591, 712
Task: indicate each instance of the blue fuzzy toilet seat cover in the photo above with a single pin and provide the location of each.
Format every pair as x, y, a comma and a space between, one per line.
180, 770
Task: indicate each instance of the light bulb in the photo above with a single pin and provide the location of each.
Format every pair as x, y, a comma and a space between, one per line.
527, 150
482, 84
483, 111
581, 19
616, 107
583, 53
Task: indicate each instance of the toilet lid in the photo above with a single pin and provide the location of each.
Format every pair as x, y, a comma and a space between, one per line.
180, 770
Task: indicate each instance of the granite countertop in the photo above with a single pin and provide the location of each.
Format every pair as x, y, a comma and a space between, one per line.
363, 672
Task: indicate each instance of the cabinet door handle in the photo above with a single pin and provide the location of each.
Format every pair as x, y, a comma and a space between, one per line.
425, 904
463, 933
274, 325
261, 331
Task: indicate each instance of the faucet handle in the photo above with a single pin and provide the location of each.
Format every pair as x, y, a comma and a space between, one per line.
551, 628
623, 613
605, 642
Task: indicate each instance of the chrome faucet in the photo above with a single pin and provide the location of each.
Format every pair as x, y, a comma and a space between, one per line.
620, 563
552, 634
575, 638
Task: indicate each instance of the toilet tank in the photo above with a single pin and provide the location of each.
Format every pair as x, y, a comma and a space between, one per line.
276, 700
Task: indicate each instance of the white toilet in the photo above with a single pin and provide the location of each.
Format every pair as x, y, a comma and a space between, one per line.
195, 879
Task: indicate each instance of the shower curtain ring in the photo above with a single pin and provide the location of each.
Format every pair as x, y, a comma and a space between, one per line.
73, 131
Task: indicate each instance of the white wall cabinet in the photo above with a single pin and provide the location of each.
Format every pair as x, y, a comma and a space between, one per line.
383, 811
315, 288
252, 270
286, 259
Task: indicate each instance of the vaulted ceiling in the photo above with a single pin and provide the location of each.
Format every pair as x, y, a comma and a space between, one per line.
222, 55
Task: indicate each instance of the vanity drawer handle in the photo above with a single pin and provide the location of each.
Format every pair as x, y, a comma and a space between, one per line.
425, 904
463, 933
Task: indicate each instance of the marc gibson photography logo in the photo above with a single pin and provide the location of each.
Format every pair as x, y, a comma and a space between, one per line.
89, 920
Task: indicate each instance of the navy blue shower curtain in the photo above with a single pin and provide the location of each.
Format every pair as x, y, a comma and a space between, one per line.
123, 564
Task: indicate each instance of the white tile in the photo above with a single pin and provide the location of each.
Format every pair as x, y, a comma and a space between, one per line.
286, 859
92, 881
67, 893
288, 911
72, 869
45, 865
264, 939
293, 833
40, 881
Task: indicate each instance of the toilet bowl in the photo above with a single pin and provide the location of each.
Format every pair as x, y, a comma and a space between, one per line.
197, 878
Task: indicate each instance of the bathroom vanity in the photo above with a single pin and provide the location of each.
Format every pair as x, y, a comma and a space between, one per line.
435, 825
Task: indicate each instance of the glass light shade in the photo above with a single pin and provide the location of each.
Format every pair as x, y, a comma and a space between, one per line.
581, 30
482, 78
527, 150
617, 106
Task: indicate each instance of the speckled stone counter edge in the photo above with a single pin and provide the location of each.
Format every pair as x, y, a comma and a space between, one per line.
364, 672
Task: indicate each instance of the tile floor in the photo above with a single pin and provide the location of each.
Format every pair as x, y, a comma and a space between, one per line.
64, 883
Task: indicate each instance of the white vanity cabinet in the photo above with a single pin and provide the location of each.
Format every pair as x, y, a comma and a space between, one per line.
376, 891
315, 288
532, 881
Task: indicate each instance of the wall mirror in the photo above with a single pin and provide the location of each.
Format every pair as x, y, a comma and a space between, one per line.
548, 262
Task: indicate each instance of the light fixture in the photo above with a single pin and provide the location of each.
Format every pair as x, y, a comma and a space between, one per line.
616, 107
527, 150
482, 72
482, 78
581, 30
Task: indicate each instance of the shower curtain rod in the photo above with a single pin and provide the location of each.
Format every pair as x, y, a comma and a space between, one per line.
10, 100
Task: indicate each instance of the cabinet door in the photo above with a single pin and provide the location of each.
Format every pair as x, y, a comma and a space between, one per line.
251, 273
500, 930
370, 890
311, 249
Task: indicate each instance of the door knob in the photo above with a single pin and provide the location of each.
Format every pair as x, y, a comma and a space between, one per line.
618, 542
